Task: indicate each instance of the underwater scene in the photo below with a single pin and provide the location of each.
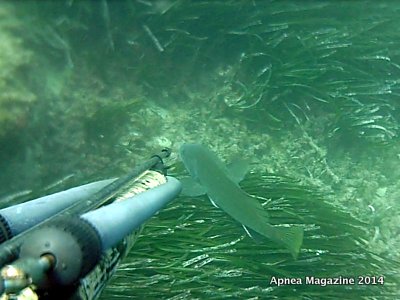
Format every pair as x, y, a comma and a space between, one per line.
285, 114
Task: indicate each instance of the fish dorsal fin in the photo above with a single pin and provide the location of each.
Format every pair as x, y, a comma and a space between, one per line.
237, 170
192, 188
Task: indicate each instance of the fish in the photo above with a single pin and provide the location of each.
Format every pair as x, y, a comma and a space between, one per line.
209, 175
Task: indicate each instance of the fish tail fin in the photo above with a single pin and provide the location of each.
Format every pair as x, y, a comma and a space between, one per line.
290, 237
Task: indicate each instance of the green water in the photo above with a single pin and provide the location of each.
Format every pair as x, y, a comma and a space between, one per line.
307, 91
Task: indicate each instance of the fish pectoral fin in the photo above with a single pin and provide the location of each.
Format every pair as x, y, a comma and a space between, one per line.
290, 237
192, 188
237, 170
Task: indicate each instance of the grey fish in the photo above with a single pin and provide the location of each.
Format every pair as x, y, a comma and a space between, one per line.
210, 176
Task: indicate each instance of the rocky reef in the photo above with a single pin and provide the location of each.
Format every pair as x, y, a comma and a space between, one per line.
15, 96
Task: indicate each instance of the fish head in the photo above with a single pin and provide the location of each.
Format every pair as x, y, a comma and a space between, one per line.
191, 155
189, 150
